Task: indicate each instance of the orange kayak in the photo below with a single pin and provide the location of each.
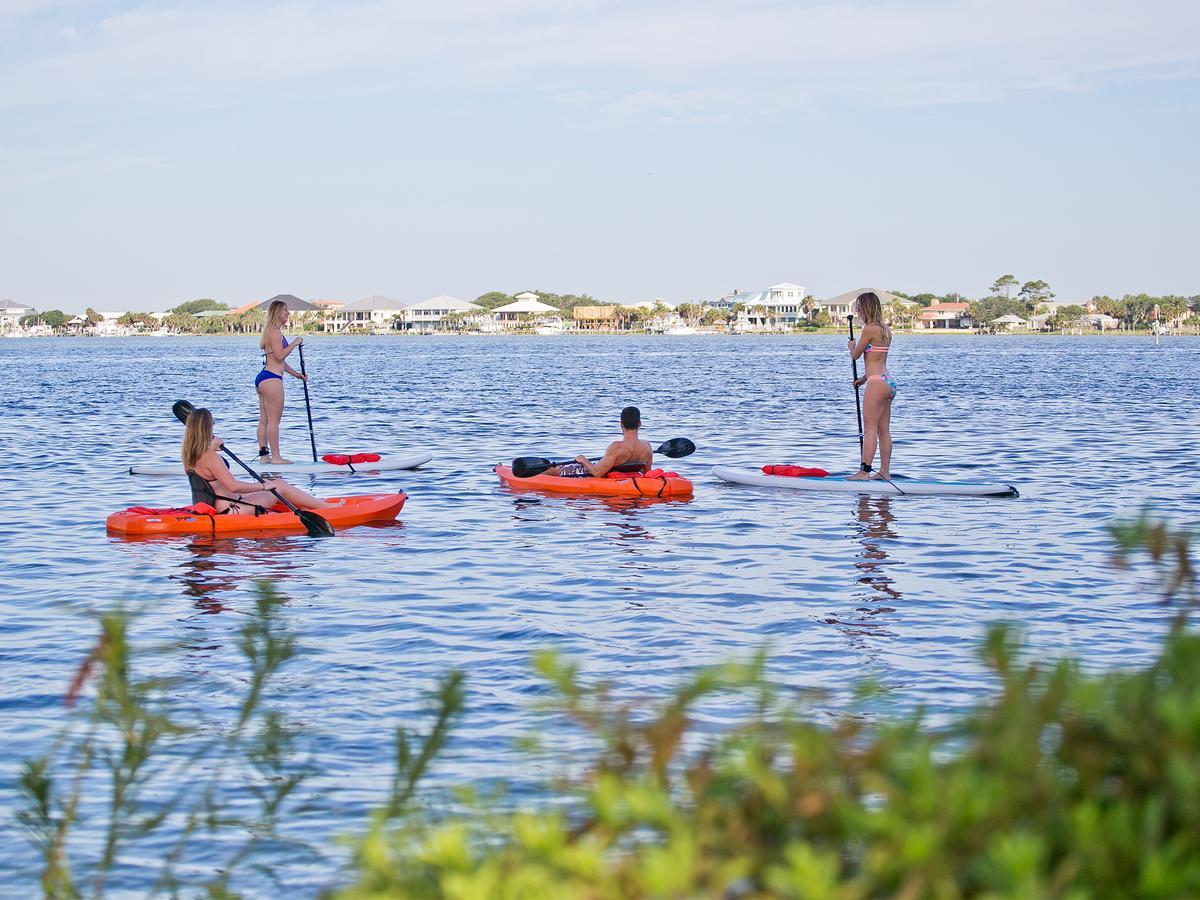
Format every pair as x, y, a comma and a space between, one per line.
604, 487
355, 511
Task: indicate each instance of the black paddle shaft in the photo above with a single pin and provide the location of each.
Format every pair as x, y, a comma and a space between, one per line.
316, 525
857, 400
307, 406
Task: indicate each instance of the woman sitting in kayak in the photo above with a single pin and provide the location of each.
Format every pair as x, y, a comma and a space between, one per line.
629, 454
206, 470
874, 342
269, 382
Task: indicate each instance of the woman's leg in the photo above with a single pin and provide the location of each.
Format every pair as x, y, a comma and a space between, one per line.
873, 399
298, 497
262, 422
271, 391
266, 499
885, 440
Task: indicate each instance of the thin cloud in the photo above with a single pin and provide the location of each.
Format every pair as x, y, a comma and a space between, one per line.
673, 59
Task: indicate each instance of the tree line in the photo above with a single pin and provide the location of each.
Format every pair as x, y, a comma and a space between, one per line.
1010, 296
1007, 296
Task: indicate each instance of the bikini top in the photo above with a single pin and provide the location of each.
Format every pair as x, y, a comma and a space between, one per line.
285, 346
871, 348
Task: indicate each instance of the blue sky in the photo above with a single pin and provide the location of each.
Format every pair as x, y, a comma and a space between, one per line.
155, 152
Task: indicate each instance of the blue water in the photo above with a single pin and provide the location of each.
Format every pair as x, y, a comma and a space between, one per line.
475, 576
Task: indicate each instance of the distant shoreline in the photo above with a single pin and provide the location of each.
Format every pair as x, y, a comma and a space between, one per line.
815, 332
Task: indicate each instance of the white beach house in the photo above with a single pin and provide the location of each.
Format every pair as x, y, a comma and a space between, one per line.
524, 304
429, 316
375, 313
11, 314
779, 306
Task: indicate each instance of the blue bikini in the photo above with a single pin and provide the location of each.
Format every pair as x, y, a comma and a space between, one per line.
267, 373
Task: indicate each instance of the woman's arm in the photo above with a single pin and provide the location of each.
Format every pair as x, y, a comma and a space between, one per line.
864, 338
293, 372
276, 350
224, 478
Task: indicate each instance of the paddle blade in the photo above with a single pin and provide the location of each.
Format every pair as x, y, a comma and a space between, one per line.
528, 466
677, 447
182, 410
316, 526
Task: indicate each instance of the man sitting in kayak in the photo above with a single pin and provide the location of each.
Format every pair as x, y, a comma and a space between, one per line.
629, 454
206, 470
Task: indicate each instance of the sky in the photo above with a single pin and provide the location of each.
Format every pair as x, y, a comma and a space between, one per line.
157, 152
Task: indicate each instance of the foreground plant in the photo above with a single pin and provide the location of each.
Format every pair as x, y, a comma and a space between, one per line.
128, 752
1063, 784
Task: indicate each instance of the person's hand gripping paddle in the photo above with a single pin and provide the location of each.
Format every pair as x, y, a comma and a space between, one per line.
314, 524
529, 466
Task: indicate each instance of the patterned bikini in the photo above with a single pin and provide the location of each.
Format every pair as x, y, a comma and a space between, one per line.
885, 377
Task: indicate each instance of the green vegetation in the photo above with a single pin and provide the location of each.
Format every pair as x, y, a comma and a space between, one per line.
1004, 285
1063, 783
154, 767
198, 306
54, 318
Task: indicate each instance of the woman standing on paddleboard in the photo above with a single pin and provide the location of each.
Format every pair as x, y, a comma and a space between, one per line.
269, 382
874, 342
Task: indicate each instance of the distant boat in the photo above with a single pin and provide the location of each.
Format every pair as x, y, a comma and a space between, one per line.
550, 326
682, 329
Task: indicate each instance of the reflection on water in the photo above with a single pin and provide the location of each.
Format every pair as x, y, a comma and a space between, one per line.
874, 585
875, 532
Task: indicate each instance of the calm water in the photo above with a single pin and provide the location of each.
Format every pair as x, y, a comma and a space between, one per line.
476, 577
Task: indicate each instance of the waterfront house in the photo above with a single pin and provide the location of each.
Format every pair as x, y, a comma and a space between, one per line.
430, 315
375, 313
1011, 322
596, 318
780, 306
1101, 321
110, 325
294, 304
11, 314
944, 316
526, 304
841, 307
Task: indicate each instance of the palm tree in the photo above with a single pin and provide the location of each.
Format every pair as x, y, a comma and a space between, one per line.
899, 314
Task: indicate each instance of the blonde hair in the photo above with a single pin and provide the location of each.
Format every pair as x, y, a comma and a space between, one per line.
275, 313
870, 310
197, 436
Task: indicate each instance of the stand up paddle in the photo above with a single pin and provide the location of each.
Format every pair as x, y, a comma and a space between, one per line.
307, 406
857, 400
528, 466
314, 524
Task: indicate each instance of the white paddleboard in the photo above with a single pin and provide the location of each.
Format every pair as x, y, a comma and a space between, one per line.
388, 463
907, 486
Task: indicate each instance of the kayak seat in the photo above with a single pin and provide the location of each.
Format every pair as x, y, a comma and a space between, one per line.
202, 492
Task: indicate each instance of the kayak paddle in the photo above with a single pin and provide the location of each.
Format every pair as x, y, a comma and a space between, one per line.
315, 525
528, 466
307, 407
